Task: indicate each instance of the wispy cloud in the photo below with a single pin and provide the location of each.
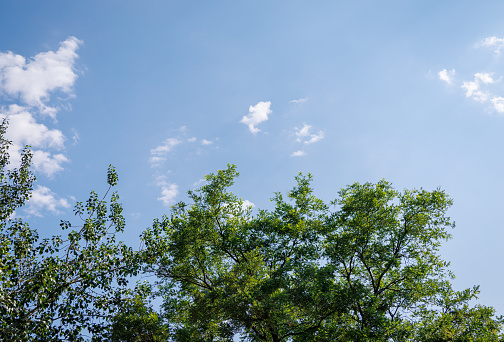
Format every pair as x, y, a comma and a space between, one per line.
446, 76
169, 191
304, 134
494, 42
34, 79
75, 137
158, 154
168, 145
179, 141
498, 103
303, 100
298, 154
473, 88
257, 114
482, 87
44, 200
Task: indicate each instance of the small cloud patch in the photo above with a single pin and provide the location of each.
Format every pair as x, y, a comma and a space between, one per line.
298, 154
493, 42
44, 200
169, 191
482, 88
257, 114
303, 100
305, 135
446, 76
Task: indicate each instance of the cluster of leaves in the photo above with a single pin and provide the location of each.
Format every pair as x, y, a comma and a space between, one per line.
367, 270
136, 320
58, 288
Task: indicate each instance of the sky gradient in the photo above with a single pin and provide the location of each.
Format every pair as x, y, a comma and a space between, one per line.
168, 91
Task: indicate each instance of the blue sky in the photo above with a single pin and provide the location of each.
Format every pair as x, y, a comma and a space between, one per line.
168, 91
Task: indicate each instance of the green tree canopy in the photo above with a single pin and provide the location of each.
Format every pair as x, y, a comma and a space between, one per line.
56, 288
365, 267
369, 270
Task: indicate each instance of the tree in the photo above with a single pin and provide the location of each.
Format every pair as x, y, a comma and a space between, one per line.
368, 271
454, 320
58, 288
137, 321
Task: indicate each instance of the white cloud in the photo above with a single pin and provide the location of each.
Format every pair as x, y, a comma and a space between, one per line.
48, 163
169, 191
498, 103
493, 41
247, 204
168, 194
24, 130
303, 100
168, 145
158, 154
315, 137
446, 76
472, 88
42, 200
298, 154
256, 115
484, 77
483, 86
156, 161
33, 80
304, 134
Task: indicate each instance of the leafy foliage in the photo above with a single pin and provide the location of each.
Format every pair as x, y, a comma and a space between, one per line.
57, 288
454, 320
368, 271
136, 321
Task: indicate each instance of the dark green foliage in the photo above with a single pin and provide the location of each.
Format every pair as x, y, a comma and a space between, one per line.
136, 321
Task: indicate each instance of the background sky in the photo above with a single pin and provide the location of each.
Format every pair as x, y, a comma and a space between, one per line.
168, 91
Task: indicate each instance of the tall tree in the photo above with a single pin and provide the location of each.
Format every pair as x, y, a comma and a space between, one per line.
58, 288
368, 271
136, 321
